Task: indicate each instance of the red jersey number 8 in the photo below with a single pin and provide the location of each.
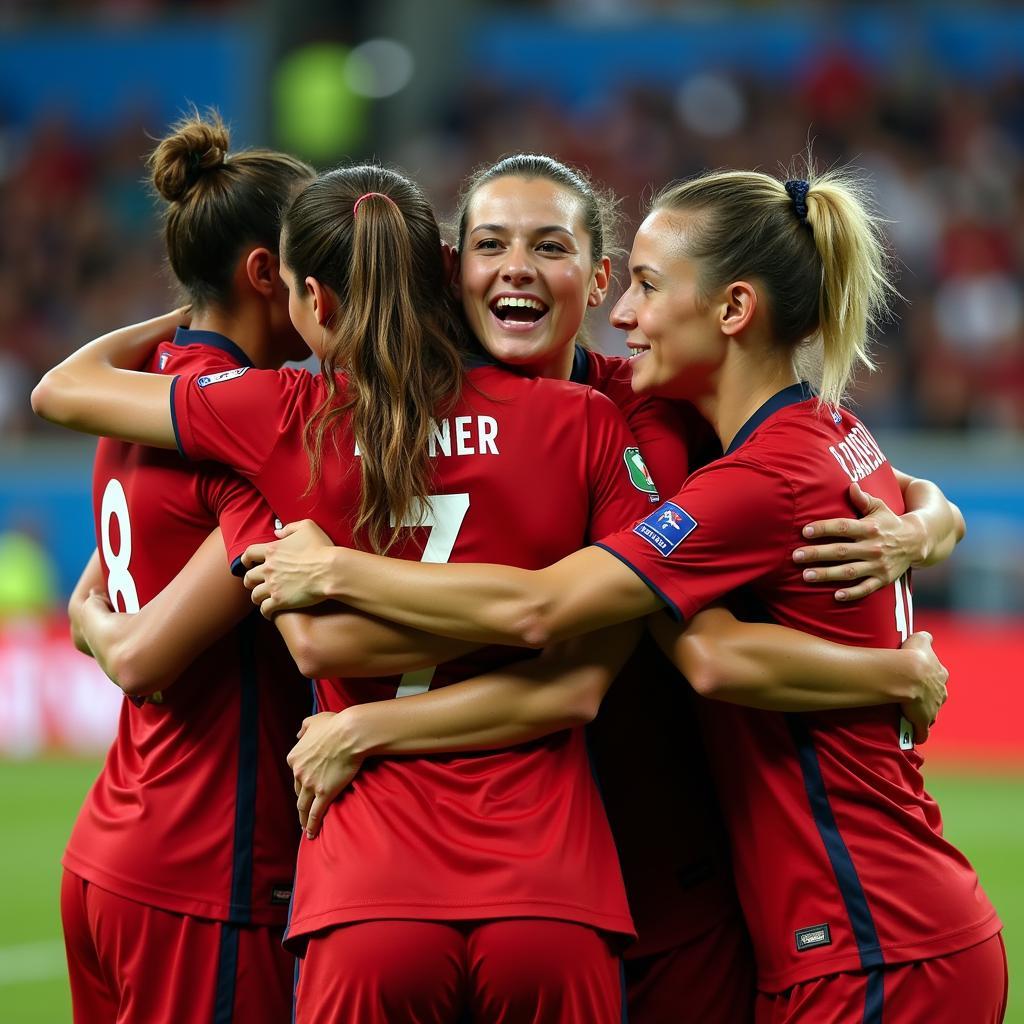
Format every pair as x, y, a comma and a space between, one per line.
119, 578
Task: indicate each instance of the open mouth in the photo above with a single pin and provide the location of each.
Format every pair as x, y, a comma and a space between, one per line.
518, 311
637, 348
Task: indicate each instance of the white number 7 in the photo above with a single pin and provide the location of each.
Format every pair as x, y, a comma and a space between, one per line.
443, 515
905, 626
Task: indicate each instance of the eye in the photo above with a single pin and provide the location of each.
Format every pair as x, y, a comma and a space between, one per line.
551, 248
646, 286
487, 244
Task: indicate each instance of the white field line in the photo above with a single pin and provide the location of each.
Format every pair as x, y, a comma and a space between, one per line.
32, 961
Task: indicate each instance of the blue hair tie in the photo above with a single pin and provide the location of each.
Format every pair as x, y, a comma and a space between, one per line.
798, 189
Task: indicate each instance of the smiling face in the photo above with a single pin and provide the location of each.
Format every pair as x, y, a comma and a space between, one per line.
676, 337
526, 274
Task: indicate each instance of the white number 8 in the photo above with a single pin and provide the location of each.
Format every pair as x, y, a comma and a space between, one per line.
119, 579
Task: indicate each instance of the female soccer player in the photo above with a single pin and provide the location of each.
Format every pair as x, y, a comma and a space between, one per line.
178, 870
532, 240
854, 901
487, 881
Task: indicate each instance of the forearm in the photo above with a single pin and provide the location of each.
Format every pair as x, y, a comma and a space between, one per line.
584, 592
92, 576
331, 640
96, 391
939, 523
560, 689
149, 650
767, 666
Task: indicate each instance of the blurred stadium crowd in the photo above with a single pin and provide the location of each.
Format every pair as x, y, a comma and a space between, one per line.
79, 252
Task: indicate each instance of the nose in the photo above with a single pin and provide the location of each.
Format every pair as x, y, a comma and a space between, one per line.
517, 267
623, 315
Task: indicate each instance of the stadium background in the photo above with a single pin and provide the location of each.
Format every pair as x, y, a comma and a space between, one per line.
927, 98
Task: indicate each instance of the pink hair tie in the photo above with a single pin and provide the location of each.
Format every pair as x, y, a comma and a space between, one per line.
367, 195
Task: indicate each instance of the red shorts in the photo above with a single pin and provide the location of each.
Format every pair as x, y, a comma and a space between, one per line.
708, 980
968, 987
512, 971
129, 962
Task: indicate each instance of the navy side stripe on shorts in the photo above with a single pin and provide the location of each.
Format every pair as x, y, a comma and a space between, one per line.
857, 909
248, 763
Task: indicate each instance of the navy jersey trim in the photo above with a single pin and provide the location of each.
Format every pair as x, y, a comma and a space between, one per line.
850, 888
237, 569
580, 373
623, 993
174, 418
187, 336
792, 395
248, 763
295, 989
670, 606
874, 997
227, 972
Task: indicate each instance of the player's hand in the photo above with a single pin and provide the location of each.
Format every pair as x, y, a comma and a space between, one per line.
932, 677
322, 765
876, 549
288, 573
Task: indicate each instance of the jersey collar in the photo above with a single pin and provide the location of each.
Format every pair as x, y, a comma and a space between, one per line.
792, 395
580, 366
186, 336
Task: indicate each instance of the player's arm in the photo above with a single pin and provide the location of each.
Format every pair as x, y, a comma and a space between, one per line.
97, 390
147, 651
331, 640
879, 547
762, 665
561, 688
91, 579
586, 591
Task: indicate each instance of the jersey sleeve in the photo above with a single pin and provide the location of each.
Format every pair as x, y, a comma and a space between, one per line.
730, 525
663, 435
241, 511
621, 488
234, 417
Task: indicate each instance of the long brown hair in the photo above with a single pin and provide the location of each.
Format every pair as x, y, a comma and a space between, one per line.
218, 203
812, 242
397, 336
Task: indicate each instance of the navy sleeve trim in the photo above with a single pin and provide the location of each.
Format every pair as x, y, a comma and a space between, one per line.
670, 605
174, 418
237, 569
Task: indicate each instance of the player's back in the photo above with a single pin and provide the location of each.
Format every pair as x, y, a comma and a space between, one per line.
173, 820
525, 471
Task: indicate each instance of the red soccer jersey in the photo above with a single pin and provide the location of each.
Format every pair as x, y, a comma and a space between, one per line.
645, 742
838, 849
525, 471
194, 810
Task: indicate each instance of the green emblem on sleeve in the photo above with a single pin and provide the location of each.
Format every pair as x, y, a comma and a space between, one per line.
639, 474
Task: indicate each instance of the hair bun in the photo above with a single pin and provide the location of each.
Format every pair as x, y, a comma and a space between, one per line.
197, 144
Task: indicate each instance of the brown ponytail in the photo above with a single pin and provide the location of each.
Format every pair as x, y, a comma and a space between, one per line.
397, 336
217, 204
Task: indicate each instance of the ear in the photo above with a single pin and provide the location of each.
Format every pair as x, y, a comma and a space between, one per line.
452, 268
325, 302
601, 280
261, 270
738, 307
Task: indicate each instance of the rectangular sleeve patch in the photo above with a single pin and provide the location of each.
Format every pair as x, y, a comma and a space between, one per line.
666, 528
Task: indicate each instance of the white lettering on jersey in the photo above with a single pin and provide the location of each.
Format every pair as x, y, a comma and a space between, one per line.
858, 453
474, 435
471, 438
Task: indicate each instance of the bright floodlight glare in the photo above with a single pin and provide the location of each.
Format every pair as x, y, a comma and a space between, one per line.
379, 68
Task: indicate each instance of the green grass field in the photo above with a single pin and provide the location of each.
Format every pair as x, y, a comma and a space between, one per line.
38, 799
